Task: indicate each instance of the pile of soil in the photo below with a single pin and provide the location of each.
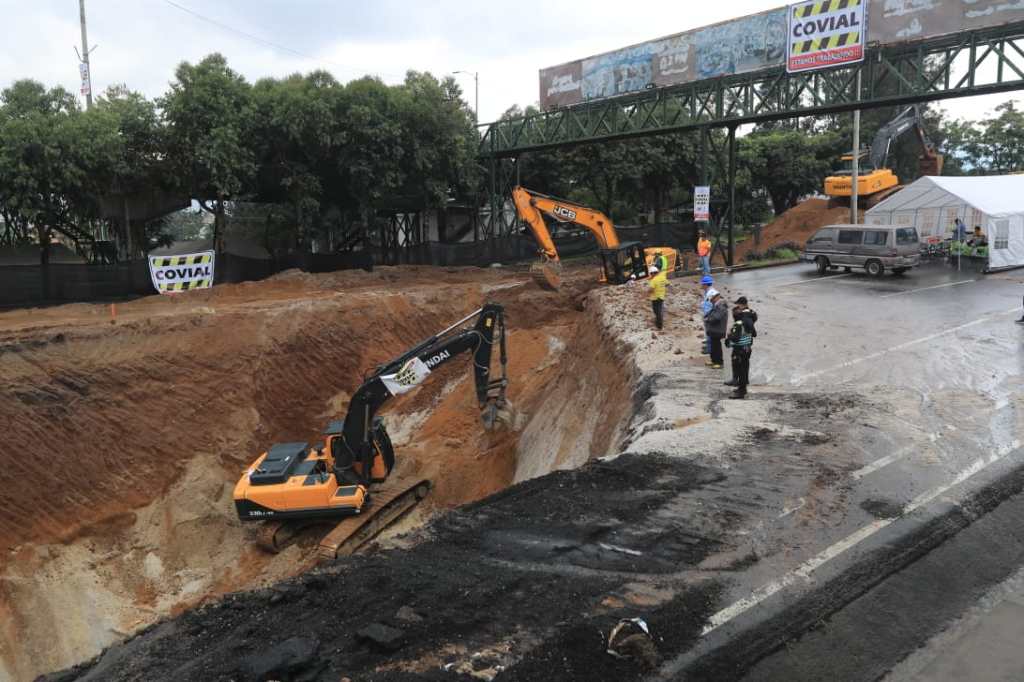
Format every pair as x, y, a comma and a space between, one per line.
795, 226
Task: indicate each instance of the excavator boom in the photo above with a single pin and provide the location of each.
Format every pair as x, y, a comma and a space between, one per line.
621, 261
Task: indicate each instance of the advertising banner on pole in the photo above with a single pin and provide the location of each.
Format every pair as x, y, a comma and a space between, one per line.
173, 274
701, 203
825, 33
83, 71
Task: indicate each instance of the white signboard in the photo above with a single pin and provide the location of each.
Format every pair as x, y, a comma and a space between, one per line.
174, 274
83, 70
409, 377
701, 203
825, 33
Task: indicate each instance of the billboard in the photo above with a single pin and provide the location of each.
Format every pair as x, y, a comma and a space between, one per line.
753, 43
824, 34
738, 46
894, 21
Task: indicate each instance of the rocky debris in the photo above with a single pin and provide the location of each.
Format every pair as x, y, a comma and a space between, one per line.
408, 615
293, 659
382, 637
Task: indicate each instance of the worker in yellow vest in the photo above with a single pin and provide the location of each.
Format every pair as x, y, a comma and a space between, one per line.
658, 282
704, 252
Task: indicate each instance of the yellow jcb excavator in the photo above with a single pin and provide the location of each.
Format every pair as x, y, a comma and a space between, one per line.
344, 481
621, 261
875, 182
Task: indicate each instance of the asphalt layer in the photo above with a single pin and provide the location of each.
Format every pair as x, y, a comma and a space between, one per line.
755, 537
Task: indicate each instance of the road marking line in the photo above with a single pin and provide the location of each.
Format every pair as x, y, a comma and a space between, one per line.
924, 339
881, 462
804, 570
811, 281
937, 286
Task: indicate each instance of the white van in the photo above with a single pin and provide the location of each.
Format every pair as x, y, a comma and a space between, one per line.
875, 248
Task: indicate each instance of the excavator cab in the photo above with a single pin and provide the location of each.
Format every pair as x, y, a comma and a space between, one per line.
624, 263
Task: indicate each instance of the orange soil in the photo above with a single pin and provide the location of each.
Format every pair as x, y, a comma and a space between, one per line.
795, 226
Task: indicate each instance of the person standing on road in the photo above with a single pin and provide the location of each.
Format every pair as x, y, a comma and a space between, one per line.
741, 340
705, 308
716, 321
960, 232
658, 283
704, 252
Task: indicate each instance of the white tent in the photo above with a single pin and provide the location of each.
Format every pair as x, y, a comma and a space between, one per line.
932, 204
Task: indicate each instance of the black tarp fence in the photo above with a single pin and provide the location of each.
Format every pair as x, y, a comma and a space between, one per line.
27, 285
521, 247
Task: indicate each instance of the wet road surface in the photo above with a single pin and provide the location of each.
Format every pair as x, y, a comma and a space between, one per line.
936, 358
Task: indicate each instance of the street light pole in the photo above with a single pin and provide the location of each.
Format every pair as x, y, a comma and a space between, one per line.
87, 75
476, 92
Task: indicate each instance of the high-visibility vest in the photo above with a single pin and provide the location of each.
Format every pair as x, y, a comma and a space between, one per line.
658, 285
703, 247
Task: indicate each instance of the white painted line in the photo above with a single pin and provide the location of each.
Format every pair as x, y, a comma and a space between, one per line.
937, 286
811, 281
881, 462
804, 570
924, 339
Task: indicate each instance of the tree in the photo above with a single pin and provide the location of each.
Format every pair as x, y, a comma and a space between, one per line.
210, 118
787, 163
55, 161
995, 145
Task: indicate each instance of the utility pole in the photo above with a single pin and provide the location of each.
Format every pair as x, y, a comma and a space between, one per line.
855, 175
84, 57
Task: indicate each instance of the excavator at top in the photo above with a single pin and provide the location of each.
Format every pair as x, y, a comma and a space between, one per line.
878, 182
344, 481
621, 261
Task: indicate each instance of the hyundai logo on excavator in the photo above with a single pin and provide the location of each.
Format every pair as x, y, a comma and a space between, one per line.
443, 355
563, 212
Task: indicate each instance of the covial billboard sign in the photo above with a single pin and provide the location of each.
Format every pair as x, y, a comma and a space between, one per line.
825, 33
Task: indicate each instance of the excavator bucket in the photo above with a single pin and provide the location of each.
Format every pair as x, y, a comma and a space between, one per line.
547, 275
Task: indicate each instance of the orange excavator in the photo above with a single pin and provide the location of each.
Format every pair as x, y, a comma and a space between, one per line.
621, 261
875, 181
344, 482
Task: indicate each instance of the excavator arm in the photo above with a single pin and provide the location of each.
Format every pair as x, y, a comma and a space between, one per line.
909, 118
621, 262
531, 205
362, 432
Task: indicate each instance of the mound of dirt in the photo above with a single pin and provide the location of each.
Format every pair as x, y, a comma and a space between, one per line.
795, 226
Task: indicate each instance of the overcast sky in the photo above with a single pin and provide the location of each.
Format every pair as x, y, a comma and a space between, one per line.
139, 42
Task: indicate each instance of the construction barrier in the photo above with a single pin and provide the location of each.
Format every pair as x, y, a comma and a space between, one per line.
28, 285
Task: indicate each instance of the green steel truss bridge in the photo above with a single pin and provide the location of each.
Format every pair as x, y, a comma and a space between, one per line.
969, 63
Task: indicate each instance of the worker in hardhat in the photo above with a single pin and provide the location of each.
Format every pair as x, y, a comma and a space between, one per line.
705, 307
657, 281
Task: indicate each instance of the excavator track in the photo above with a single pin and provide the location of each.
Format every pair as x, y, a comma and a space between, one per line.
387, 504
547, 275
275, 536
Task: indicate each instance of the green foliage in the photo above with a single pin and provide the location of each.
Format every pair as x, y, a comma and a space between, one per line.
989, 146
290, 161
788, 164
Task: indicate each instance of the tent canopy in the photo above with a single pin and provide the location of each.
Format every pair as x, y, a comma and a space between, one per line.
932, 204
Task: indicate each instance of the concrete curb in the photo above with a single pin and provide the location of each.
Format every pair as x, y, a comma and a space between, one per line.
738, 268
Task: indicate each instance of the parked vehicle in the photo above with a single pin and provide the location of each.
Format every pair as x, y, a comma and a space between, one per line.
875, 248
